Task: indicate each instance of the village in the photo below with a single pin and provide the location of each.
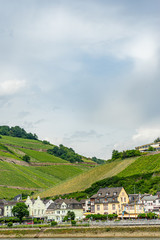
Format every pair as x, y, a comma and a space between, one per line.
107, 201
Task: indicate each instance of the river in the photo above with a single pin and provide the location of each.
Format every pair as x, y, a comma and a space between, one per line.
82, 238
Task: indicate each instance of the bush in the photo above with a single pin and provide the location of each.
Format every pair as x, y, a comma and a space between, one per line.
26, 158
53, 223
10, 224
35, 221
73, 222
46, 142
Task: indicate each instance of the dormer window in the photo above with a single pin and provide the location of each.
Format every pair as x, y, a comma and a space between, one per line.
99, 194
115, 193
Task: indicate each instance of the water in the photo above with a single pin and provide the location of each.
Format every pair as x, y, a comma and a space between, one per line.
81, 238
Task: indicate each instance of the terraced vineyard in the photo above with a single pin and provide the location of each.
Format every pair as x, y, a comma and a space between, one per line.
86, 179
47, 175
143, 164
17, 176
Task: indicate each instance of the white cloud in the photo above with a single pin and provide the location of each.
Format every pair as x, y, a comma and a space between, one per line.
10, 87
146, 135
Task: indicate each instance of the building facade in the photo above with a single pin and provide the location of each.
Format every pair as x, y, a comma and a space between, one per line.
59, 209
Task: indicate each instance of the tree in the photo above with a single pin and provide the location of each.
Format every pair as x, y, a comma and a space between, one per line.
150, 149
157, 140
26, 158
20, 210
70, 216
115, 154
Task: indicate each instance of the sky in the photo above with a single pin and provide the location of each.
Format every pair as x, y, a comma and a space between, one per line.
82, 73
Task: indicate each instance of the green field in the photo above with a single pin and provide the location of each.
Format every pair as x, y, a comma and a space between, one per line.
62, 177
143, 164
86, 179
34, 144
42, 156
13, 176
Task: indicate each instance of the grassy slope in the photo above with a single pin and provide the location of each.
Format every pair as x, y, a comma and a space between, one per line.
42, 156
86, 179
40, 177
143, 164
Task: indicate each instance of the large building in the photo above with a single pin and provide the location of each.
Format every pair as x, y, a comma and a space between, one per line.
109, 201
60, 207
144, 148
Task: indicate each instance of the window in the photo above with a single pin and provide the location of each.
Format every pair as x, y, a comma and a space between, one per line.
113, 207
58, 212
114, 193
121, 199
105, 206
124, 199
98, 207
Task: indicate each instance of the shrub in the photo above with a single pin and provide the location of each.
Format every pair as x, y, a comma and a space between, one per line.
26, 158
53, 223
35, 221
73, 222
10, 224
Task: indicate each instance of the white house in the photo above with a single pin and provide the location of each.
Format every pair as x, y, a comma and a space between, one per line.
59, 209
149, 203
36, 208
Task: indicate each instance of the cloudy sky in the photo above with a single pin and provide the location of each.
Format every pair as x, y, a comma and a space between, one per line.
83, 73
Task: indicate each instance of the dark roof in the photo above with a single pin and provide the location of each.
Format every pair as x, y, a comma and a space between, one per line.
71, 204
11, 203
107, 192
3, 201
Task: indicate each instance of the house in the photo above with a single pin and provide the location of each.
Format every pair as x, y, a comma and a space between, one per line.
2, 204
150, 203
8, 206
86, 204
36, 208
144, 148
133, 208
109, 201
59, 208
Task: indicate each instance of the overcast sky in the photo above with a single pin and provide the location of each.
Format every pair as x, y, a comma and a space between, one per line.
83, 73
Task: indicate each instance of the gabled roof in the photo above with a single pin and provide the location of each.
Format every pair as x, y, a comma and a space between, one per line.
108, 192
149, 198
70, 204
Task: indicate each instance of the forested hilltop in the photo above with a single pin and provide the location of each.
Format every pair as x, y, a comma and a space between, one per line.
17, 132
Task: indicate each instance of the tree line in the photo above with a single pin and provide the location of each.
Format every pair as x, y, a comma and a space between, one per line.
125, 154
17, 132
65, 153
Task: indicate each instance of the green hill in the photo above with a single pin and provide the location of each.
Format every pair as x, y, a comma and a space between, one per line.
43, 170
48, 175
142, 175
86, 179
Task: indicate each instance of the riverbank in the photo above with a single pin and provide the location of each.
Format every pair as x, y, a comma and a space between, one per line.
73, 232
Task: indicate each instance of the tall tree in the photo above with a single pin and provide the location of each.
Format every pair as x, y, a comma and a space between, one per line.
20, 210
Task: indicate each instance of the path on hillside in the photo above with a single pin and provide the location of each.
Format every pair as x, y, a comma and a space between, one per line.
22, 188
38, 164
17, 146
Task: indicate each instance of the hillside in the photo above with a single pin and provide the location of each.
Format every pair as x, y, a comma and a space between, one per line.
141, 176
86, 179
48, 175
43, 170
